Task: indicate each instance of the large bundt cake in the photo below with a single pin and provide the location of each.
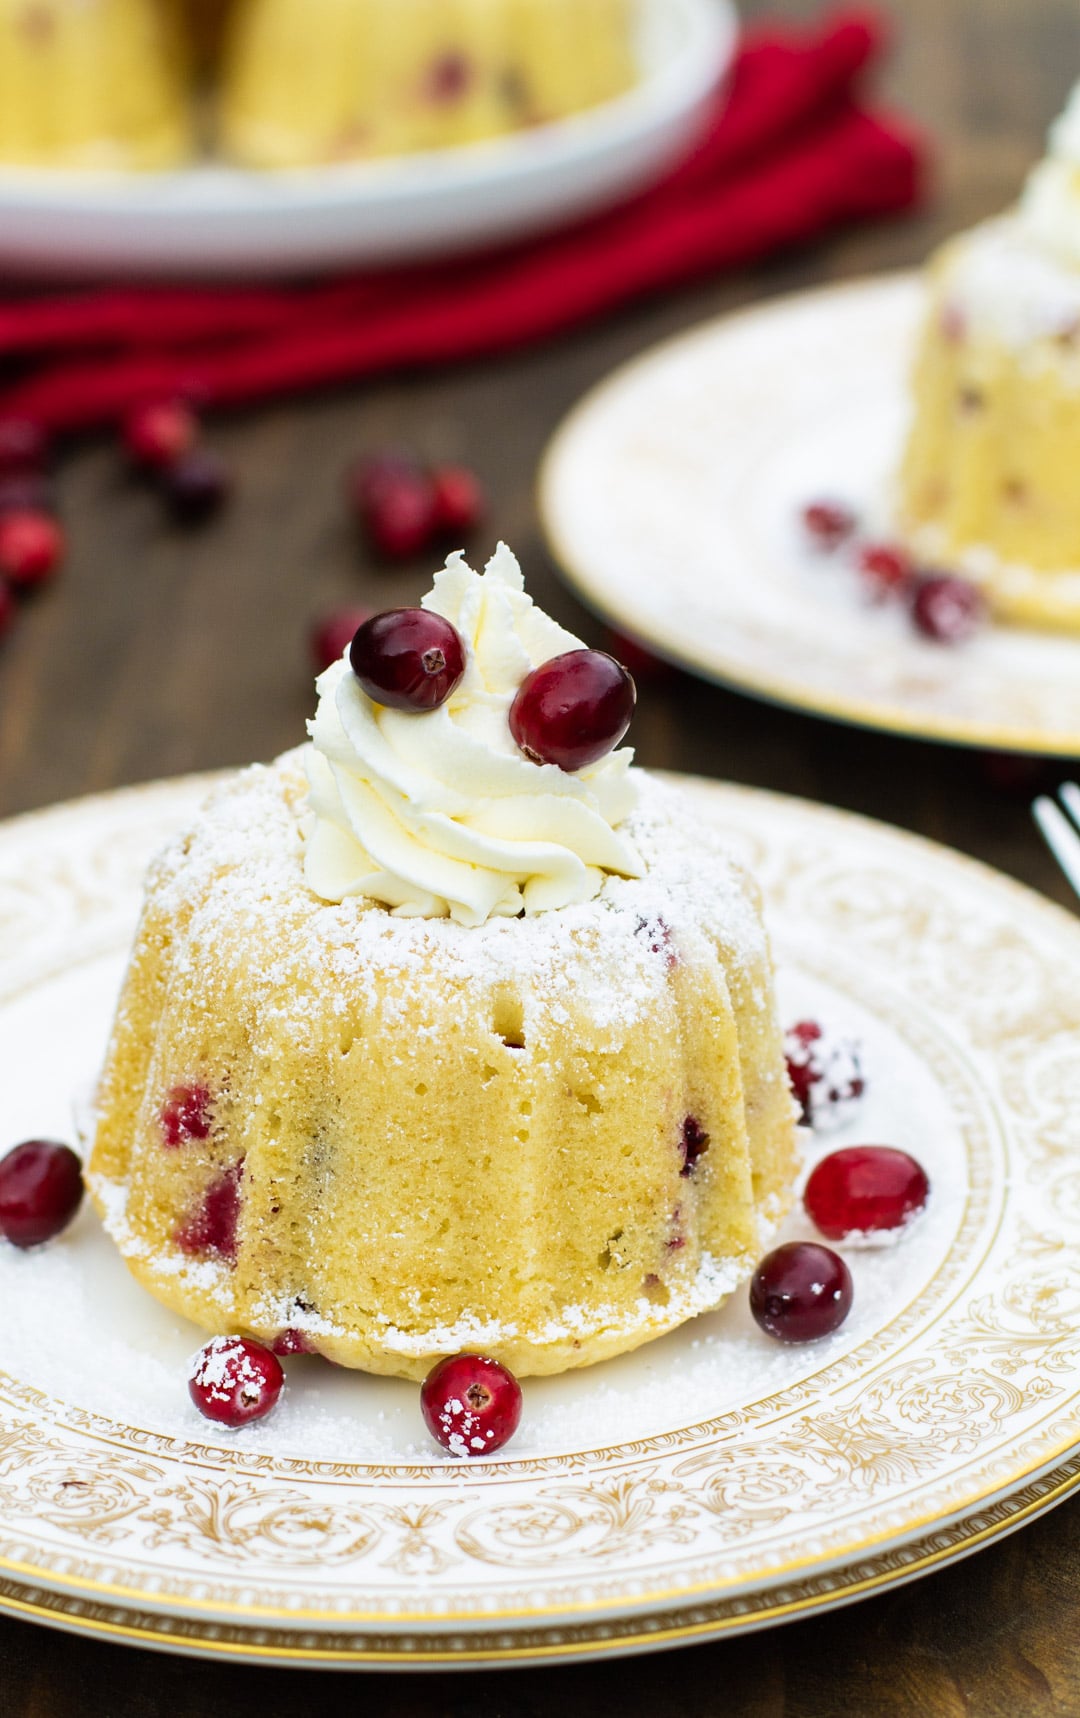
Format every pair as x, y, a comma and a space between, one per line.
309, 81
427, 1047
989, 477
91, 84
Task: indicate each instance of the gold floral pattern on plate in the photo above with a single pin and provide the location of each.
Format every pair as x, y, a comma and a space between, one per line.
948, 1422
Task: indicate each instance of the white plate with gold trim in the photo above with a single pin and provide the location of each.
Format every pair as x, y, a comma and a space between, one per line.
215, 219
714, 1481
672, 496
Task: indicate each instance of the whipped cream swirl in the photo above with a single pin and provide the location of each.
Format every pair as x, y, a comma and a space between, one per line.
440, 814
1050, 206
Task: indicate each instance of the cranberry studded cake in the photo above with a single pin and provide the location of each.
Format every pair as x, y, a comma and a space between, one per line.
311, 81
450, 1030
988, 482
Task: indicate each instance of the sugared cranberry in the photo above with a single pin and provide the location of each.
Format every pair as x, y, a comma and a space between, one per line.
458, 500
884, 569
156, 435
826, 1075
185, 1115
947, 609
234, 1380
800, 1291
865, 1190
212, 1227
395, 501
573, 710
24, 445
471, 1405
695, 1143
408, 658
26, 492
41, 1189
197, 485
828, 523
331, 637
31, 548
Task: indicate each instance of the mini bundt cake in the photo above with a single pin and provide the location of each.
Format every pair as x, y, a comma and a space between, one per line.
310, 81
988, 481
91, 84
425, 1046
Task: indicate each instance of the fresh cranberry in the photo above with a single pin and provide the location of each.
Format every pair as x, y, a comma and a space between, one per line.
800, 1291
7, 606
641, 663
185, 1115
458, 500
31, 548
212, 1227
408, 659
865, 1189
573, 710
826, 1075
331, 637
884, 568
947, 609
156, 435
197, 485
234, 1380
26, 492
24, 445
291, 1342
395, 502
471, 1405
695, 1143
41, 1189
828, 523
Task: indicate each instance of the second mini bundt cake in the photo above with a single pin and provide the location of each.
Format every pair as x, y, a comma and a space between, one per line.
310, 81
427, 1047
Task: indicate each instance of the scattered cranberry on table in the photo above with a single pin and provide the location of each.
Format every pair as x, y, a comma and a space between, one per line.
31, 548
41, 1189
458, 500
800, 1292
196, 486
573, 710
24, 445
408, 659
828, 523
471, 1405
234, 1381
159, 433
403, 506
865, 1190
638, 661
331, 637
947, 609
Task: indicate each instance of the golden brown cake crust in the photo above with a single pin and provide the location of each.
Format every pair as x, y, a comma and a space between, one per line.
550, 1138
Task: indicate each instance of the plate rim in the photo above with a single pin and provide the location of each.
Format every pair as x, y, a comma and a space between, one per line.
713, 665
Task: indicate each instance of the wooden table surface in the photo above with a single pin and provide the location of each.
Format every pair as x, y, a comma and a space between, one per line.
160, 652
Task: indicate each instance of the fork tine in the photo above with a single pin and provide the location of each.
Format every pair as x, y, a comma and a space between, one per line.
1069, 795
1060, 836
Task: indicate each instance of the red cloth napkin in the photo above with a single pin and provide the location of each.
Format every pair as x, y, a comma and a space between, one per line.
790, 152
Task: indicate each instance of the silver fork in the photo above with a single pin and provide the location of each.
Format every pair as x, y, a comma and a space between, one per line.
1059, 833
